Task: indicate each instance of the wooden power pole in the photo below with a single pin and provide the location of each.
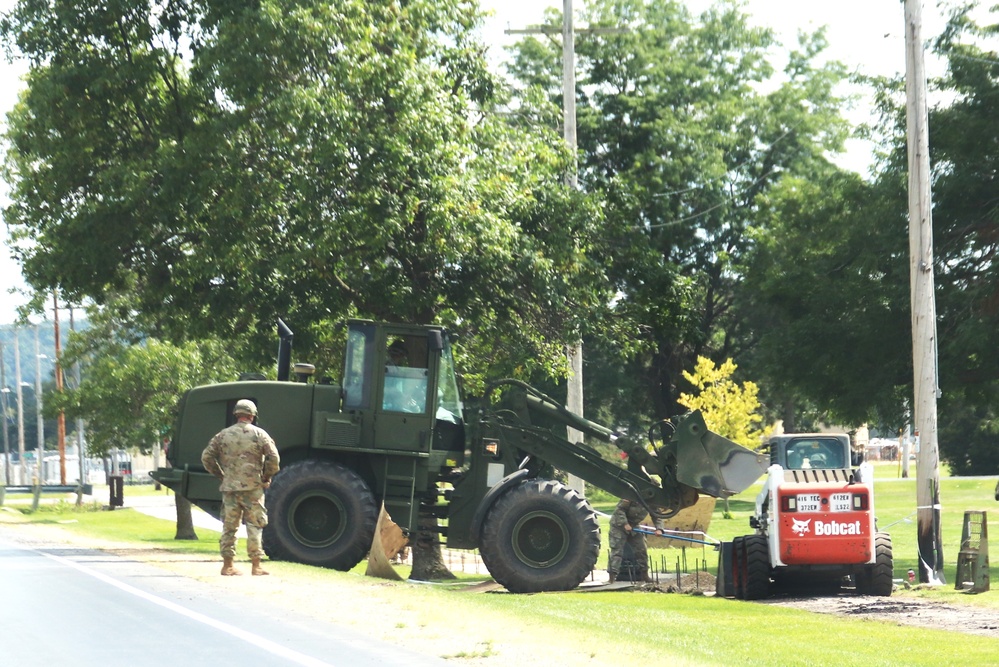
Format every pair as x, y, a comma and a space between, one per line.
574, 389
921, 284
61, 419
574, 353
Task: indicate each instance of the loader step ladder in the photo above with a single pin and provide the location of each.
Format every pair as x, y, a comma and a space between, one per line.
400, 488
973, 559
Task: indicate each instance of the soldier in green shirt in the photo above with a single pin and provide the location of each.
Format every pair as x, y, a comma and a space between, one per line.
244, 457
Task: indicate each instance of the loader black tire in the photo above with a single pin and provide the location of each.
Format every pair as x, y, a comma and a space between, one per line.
877, 579
757, 567
739, 567
319, 513
540, 536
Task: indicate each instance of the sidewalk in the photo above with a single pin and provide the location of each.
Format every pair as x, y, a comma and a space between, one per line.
163, 506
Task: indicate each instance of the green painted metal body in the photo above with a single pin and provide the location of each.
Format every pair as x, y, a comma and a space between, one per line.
431, 450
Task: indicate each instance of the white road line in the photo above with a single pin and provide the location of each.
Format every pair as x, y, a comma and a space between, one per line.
249, 637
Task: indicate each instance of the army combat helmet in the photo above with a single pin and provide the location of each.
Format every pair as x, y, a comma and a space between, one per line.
245, 407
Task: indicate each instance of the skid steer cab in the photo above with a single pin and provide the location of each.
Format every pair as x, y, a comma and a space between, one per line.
815, 525
396, 433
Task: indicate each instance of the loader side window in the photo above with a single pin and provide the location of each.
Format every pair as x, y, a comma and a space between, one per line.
359, 359
405, 390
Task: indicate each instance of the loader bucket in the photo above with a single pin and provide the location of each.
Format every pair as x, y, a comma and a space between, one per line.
713, 464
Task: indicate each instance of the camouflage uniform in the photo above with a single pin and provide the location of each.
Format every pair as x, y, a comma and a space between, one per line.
245, 458
627, 513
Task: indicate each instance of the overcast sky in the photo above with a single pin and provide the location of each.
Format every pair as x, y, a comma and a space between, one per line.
867, 35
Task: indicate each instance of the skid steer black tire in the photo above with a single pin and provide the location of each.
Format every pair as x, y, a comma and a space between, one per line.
540, 536
319, 513
757, 567
739, 567
877, 579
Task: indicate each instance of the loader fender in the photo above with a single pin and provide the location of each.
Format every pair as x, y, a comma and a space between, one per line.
492, 495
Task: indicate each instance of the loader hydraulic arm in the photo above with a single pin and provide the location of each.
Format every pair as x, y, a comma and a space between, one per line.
693, 460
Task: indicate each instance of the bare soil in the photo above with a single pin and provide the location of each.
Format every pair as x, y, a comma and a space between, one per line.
902, 610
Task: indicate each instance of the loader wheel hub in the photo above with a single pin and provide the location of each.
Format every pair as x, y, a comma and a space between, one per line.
316, 520
540, 539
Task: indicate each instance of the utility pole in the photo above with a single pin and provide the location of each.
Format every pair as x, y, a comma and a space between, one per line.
921, 284
61, 420
81, 454
574, 386
3, 397
40, 474
20, 407
574, 353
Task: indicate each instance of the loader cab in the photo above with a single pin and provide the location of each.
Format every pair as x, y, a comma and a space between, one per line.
400, 380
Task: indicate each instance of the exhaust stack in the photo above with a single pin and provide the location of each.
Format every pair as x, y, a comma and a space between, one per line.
284, 351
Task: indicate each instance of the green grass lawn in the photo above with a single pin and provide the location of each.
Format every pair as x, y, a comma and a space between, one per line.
632, 628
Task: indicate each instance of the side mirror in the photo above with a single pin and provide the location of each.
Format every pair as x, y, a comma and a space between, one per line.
435, 340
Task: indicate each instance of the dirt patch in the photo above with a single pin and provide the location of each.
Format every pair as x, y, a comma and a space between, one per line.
898, 609
690, 583
918, 612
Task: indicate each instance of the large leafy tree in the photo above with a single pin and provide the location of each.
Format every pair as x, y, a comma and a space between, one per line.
825, 292
227, 163
684, 125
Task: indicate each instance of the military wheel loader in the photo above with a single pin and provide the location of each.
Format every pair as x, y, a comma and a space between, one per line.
395, 432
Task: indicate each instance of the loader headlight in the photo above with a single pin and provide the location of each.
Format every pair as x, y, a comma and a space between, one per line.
788, 504
490, 448
860, 502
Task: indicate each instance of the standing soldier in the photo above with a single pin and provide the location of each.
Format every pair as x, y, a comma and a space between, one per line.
244, 458
626, 516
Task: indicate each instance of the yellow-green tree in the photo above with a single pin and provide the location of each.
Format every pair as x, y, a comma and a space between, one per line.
729, 409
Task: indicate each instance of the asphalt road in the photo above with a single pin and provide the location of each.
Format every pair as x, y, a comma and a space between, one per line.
67, 606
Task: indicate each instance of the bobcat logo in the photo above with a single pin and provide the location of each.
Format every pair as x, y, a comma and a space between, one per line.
800, 527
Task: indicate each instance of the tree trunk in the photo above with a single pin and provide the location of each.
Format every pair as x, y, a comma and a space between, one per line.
185, 522
788, 416
428, 561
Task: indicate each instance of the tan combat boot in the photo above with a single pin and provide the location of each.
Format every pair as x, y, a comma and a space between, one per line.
228, 570
612, 577
257, 570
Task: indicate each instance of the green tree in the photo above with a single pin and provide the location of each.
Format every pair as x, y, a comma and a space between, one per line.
730, 409
684, 125
825, 291
229, 163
